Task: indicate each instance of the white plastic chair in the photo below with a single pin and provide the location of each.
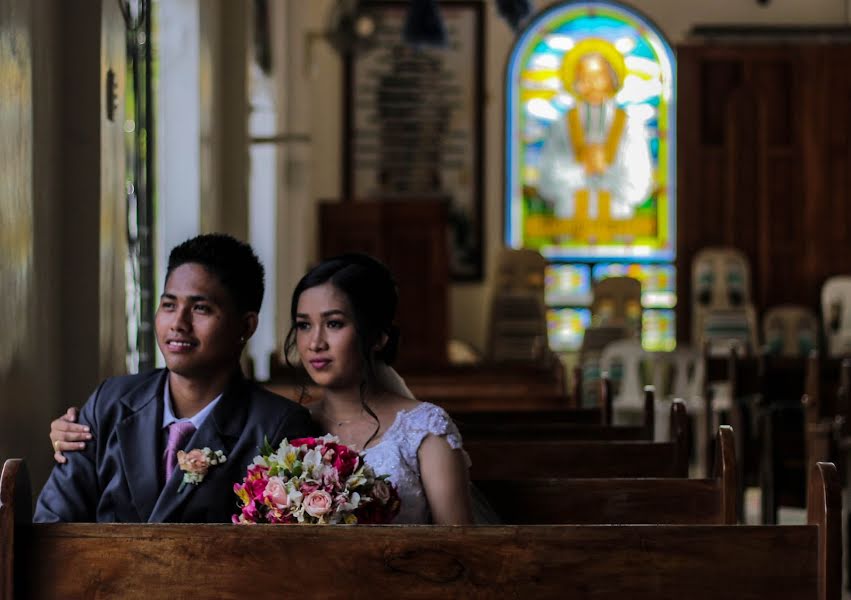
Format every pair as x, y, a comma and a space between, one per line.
790, 330
629, 397
679, 374
836, 314
722, 312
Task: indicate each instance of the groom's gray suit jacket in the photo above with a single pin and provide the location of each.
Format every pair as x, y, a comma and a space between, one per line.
117, 477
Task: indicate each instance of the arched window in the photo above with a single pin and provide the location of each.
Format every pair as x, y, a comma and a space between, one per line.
590, 161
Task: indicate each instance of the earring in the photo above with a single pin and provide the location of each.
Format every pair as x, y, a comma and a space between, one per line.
242, 339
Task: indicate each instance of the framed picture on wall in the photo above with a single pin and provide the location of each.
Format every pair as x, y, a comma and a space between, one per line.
413, 122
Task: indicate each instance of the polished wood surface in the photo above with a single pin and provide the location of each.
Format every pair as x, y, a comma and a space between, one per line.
458, 388
535, 459
575, 416
607, 562
522, 432
825, 407
15, 511
616, 562
555, 425
621, 501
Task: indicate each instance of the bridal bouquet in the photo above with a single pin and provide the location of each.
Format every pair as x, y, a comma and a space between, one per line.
314, 480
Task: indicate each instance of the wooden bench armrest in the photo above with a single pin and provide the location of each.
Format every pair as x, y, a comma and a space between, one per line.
679, 432
824, 509
15, 509
725, 472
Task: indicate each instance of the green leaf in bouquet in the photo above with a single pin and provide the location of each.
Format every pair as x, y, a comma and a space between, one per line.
266, 449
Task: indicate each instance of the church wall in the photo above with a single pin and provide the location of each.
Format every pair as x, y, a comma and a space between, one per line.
61, 219
468, 322
22, 356
62, 222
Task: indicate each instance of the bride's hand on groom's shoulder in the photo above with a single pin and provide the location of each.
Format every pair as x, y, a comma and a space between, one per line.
66, 435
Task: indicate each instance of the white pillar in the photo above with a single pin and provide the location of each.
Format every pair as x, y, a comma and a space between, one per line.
262, 213
178, 127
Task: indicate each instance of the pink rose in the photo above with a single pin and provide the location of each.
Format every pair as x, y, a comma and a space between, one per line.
277, 493
318, 503
193, 462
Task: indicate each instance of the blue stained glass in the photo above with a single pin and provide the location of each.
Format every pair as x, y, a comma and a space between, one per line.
634, 236
539, 98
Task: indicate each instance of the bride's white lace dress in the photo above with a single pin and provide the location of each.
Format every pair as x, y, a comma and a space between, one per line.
396, 455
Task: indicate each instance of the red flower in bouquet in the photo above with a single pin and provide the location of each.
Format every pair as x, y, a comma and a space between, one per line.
314, 480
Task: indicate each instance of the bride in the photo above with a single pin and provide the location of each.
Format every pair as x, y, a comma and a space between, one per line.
342, 329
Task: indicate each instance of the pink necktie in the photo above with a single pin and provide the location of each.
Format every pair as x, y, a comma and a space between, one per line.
178, 434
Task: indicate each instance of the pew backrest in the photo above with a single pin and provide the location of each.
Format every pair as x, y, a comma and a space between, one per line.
568, 424
545, 458
15, 511
610, 562
550, 431
575, 416
621, 501
826, 387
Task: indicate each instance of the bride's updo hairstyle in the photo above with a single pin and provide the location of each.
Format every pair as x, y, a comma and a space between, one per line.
371, 290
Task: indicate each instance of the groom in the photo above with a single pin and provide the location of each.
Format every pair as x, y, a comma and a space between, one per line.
133, 470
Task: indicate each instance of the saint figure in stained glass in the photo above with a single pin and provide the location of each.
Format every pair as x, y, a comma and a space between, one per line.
594, 164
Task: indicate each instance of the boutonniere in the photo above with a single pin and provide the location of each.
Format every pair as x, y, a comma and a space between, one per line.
196, 463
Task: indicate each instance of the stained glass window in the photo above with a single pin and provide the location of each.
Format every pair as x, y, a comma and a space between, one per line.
590, 151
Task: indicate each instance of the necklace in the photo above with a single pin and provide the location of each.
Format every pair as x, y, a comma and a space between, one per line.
339, 422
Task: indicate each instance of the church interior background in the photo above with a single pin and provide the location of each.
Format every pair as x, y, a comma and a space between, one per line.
615, 140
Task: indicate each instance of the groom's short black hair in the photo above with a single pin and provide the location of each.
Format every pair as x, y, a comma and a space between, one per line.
232, 261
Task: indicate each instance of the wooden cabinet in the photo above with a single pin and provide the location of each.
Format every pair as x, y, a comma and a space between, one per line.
764, 164
410, 237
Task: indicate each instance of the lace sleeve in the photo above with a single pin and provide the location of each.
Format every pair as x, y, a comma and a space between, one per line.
430, 419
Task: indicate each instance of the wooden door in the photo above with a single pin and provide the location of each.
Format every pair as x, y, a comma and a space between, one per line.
410, 238
763, 165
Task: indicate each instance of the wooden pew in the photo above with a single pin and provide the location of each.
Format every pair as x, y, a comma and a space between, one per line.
531, 459
463, 387
606, 562
766, 390
15, 494
783, 471
826, 413
487, 400
826, 391
622, 501
742, 375
552, 425
576, 416
780, 423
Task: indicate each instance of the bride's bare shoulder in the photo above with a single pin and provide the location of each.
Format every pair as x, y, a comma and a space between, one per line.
397, 402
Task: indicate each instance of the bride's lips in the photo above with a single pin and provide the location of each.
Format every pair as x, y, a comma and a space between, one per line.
319, 364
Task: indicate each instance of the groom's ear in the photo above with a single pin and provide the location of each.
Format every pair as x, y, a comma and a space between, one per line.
249, 325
